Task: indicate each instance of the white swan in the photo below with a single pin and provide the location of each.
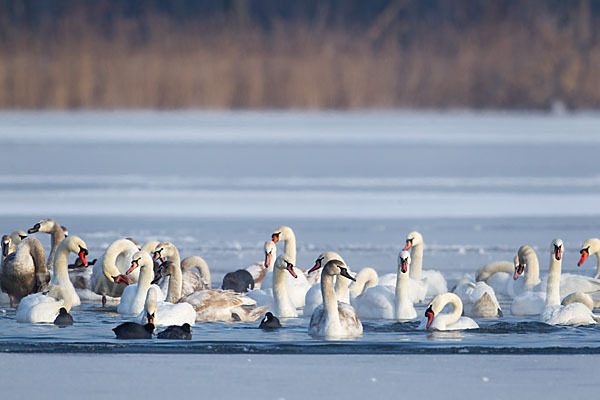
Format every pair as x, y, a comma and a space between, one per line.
24, 271
195, 272
345, 290
286, 234
479, 299
260, 270
590, 246
279, 297
554, 313
134, 296
334, 319
43, 307
383, 302
108, 276
446, 322
57, 234
37, 308
164, 312
436, 283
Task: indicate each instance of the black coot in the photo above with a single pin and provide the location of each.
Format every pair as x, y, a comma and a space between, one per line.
239, 281
63, 318
174, 332
131, 330
270, 322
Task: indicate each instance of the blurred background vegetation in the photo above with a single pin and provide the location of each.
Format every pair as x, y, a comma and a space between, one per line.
314, 54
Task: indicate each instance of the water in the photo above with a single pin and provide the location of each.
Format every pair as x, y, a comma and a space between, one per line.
477, 186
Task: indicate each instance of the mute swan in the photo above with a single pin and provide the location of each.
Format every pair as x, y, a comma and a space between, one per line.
174, 332
71, 244
260, 270
10, 242
446, 322
195, 272
479, 300
286, 234
297, 287
57, 234
270, 322
590, 246
554, 313
43, 307
279, 297
334, 319
436, 283
497, 275
38, 307
383, 302
134, 296
165, 313
314, 296
24, 271
108, 276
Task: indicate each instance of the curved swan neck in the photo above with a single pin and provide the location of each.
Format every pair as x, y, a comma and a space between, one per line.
36, 250
109, 262
365, 279
175, 284
145, 279
329, 298
341, 289
61, 262
553, 283
290, 246
532, 272
57, 235
416, 265
454, 316
201, 264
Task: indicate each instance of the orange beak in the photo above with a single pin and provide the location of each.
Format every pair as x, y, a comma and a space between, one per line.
275, 238
408, 244
584, 255
316, 267
134, 265
558, 253
429, 314
290, 269
122, 278
267, 260
82, 255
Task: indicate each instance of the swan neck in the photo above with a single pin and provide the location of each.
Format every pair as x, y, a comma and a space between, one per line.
329, 299
56, 237
61, 261
365, 279
341, 289
454, 316
280, 292
175, 285
201, 264
597, 274
144, 280
532, 274
401, 291
553, 283
290, 247
109, 261
416, 265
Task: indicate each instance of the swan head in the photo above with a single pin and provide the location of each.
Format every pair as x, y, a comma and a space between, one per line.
588, 247
557, 249
75, 245
163, 250
45, 225
5, 245
324, 258
285, 262
413, 239
282, 233
521, 261
165, 269
270, 253
337, 267
140, 259
404, 261
438, 303
17, 236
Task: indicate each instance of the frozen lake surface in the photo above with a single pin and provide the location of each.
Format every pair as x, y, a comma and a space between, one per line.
477, 186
